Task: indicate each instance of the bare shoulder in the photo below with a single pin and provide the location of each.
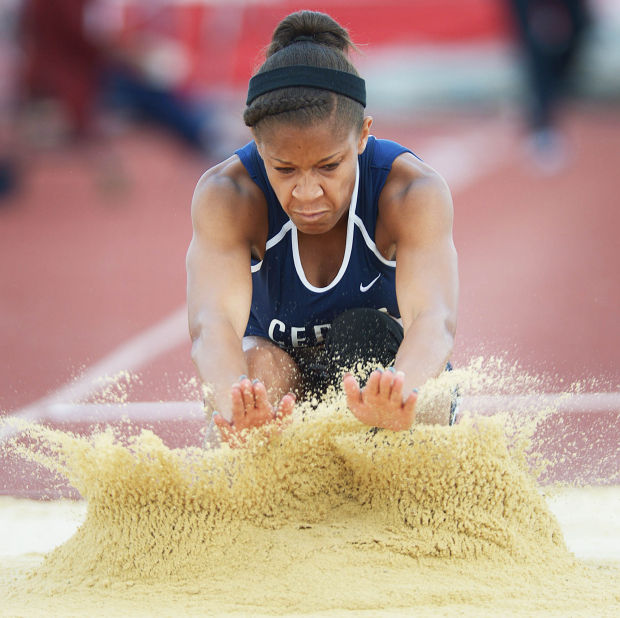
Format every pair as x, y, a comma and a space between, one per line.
226, 200
415, 200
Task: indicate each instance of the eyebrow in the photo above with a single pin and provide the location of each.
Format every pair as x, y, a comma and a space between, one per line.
331, 156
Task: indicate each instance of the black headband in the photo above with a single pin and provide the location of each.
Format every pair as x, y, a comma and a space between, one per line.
340, 82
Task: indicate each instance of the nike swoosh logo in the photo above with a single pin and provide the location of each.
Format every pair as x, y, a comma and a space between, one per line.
365, 288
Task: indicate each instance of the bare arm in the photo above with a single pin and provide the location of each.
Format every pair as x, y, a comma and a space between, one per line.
426, 282
219, 284
416, 223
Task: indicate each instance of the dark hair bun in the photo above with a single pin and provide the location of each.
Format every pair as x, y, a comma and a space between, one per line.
314, 39
308, 27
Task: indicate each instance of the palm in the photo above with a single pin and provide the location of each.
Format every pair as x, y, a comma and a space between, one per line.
380, 403
251, 409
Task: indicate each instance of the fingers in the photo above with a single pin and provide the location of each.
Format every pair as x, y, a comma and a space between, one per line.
251, 409
373, 386
355, 400
396, 393
260, 399
284, 415
351, 389
287, 404
227, 431
249, 399
221, 422
409, 405
385, 385
238, 407
381, 402
386, 379
247, 392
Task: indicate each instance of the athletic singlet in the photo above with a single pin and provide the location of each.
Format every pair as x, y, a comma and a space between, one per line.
286, 307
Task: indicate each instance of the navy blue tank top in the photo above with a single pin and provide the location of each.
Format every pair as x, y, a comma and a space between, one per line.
286, 307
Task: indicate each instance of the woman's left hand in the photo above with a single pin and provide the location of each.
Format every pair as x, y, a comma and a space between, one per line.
381, 403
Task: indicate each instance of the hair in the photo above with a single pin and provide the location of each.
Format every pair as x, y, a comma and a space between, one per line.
314, 39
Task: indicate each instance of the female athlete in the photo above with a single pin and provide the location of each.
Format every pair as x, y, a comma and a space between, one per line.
317, 247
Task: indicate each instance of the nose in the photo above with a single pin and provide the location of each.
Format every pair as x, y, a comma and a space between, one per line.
307, 188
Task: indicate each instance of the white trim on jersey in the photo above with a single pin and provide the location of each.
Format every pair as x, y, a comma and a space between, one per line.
370, 244
279, 236
274, 240
347, 250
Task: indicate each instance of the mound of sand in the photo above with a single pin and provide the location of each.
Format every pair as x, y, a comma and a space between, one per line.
327, 517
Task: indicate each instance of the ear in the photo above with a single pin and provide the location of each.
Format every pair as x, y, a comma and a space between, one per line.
364, 133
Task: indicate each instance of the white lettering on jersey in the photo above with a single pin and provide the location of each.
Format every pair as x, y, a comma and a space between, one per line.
318, 332
272, 327
279, 333
295, 335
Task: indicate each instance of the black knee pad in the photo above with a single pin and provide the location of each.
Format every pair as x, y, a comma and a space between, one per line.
362, 336
356, 336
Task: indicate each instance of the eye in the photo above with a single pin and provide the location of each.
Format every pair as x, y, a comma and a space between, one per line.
284, 170
330, 166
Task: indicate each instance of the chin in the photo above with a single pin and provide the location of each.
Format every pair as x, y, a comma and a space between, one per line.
312, 227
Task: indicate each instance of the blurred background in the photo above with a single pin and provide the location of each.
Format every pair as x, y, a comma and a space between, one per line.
111, 110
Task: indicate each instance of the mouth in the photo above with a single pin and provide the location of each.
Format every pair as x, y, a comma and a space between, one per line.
310, 215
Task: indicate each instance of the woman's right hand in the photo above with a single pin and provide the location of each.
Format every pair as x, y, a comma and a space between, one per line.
251, 409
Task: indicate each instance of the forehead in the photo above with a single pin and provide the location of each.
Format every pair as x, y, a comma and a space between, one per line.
304, 144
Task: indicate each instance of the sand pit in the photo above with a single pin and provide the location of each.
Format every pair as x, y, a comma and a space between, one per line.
326, 519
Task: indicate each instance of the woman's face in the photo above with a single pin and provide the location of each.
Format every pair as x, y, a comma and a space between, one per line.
312, 170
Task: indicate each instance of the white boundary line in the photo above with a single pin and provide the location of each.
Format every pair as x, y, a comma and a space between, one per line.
129, 356
137, 411
151, 411
562, 403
